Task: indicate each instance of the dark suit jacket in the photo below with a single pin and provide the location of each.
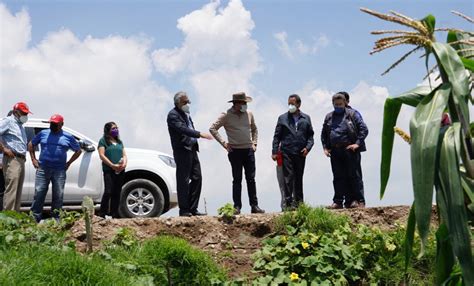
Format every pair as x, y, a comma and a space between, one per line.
180, 134
290, 139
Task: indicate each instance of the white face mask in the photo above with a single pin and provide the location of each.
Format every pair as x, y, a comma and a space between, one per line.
185, 108
23, 119
292, 108
243, 108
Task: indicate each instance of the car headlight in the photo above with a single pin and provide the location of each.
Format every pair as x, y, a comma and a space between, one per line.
168, 160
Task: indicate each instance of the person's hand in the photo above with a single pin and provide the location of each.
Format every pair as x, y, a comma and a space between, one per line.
36, 163
327, 152
117, 167
227, 147
304, 152
206, 136
254, 147
8, 152
352, 147
274, 157
67, 165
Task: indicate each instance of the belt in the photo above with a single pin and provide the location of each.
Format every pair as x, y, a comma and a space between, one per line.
21, 156
340, 145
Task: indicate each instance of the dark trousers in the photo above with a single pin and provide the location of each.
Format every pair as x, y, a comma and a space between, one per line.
347, 176
360, 182
188, 180
293, 169
2, 189
243, 158
109, 205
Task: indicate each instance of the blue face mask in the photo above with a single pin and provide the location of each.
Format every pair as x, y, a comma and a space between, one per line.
339, 110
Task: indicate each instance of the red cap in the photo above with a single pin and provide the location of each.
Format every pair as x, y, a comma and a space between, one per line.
56, 118
23, 107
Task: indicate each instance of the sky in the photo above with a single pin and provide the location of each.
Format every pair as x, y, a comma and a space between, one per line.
97, 61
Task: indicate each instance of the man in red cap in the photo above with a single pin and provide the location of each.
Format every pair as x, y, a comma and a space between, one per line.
13, 146
52, 164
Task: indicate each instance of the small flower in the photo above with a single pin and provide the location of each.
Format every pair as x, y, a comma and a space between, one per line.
305, 245
390, 246
294, 276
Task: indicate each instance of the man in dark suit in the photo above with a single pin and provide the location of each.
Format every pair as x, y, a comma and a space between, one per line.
294, 137
185, 147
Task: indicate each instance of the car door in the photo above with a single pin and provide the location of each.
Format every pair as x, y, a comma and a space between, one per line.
84, 176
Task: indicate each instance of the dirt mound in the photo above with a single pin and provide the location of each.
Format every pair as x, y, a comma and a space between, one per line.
231, 245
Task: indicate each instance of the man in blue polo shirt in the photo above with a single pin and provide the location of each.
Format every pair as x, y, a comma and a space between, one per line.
52, 164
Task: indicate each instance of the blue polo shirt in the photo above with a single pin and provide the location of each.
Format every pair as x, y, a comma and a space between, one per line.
54, 147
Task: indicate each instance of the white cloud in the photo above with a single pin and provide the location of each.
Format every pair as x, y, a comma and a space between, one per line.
89, 81
299, 47
283, 46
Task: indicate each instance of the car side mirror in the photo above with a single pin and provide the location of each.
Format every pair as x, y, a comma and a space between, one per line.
86, 146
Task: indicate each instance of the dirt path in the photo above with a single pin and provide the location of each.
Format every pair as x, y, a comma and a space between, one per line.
231, 245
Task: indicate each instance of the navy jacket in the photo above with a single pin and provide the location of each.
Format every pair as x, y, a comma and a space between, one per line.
180, 134
291, 139
351, 125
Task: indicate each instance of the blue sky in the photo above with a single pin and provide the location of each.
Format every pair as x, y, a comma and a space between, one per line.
123, 60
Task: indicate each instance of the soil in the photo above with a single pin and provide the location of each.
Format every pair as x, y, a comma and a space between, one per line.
231, 245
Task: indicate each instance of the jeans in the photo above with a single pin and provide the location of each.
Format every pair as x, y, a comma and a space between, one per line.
243, 158
43, 177
2, 189
347, 177
109, 205
188, 180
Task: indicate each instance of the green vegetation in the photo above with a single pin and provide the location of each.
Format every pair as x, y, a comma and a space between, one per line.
441, 155
227, 212
321, 247
36, 254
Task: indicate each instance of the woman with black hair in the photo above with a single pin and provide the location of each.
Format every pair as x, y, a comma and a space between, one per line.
114, 160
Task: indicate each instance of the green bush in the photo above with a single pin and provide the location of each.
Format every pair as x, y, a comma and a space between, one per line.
318, 220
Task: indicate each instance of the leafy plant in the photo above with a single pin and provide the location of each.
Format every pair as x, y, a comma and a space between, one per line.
441, 156
312, 251
227, 212
124, 237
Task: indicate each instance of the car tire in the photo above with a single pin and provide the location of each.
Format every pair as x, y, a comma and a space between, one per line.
141, 198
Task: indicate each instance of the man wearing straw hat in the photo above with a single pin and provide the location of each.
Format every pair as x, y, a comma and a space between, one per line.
242, 134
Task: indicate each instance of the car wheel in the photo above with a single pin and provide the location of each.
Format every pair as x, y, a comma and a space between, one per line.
141, 198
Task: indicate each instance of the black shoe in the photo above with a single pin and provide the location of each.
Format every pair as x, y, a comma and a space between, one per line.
198, 213
236, 211
257, 210
188, 214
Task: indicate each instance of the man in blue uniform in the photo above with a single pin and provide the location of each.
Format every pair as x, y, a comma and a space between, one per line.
342, 137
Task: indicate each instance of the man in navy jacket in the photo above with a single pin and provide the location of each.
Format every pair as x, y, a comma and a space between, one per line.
185, 147
294, 137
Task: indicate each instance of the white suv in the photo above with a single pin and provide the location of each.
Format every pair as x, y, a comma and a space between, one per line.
149, 181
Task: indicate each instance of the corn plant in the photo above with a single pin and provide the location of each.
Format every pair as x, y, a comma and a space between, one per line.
441, 156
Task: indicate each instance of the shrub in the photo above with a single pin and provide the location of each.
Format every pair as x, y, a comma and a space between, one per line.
318, 220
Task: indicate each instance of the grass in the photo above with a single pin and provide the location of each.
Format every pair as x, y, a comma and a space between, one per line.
318, 220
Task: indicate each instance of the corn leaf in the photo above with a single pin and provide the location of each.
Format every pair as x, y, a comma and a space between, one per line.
453, 196
424, 130
452, 70
409, 237
444, 255
391, 110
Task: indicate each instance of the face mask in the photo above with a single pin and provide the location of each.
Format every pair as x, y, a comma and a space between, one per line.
114, 133
23, 119
292, 108
185, 108
339, 110
243, 108
54, 127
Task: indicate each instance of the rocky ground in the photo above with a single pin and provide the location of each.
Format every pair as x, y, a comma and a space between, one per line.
231, 245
